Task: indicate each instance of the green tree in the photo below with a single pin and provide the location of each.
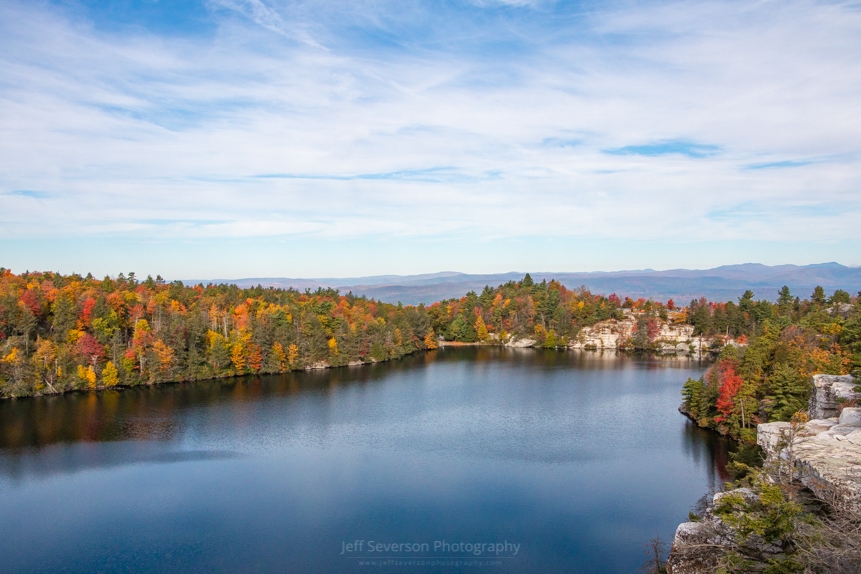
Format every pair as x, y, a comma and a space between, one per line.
785, 300
788, 390
840, 296
818, 296
461, 330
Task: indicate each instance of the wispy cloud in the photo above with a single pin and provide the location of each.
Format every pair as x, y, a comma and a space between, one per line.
777, 164
257, 11
772, 212
561, 142
672, 147
487, 119
29, 193
429, 175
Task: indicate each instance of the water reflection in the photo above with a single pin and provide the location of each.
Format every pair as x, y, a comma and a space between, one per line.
150, 413
72, 459
710, 451
580, 456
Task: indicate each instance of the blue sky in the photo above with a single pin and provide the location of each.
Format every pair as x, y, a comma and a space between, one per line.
237, 138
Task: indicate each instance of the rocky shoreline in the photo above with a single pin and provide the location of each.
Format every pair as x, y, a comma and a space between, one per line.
822, 455
663, 337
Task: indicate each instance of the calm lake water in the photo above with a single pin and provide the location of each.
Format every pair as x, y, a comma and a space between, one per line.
578, 459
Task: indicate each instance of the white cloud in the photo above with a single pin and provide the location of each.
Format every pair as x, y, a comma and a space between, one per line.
147, 134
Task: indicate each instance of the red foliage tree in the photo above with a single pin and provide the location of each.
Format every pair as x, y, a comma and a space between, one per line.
90, 348
87, 311
31, 299
652, 329
730, 383
255, 358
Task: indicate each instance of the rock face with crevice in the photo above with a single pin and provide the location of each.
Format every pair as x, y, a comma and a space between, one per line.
828, 391
825, 455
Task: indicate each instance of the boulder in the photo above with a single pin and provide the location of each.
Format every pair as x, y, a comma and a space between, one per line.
749, 496
690, 552
520, 343
827, 389
317, 365
851, 416
841, 309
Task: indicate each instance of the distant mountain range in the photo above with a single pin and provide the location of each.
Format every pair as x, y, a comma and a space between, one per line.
724, 283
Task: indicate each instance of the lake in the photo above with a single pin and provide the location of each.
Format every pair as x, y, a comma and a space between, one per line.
463, 459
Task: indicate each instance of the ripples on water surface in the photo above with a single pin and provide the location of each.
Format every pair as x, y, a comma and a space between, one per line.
580, 458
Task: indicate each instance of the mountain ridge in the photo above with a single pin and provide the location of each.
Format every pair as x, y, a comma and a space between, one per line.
721, 283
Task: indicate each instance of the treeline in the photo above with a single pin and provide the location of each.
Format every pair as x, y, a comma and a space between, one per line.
61, 333
67, 332
546, 312
553, 315
770, 378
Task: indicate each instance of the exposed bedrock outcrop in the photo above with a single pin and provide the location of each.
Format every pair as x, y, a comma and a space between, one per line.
668, 338
610, 335
824, 454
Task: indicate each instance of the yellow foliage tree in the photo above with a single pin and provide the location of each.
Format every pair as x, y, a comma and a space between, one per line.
237, 357
292, 354
46, 353
430, 340
87, 375
212, 338
279, 356
481, 329
333, 346
164, 353
12, 356
110, 376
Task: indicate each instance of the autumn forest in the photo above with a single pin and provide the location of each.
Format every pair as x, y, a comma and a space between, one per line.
60, 333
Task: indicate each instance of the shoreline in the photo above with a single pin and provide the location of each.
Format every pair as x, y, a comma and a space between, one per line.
312, 367
322, 366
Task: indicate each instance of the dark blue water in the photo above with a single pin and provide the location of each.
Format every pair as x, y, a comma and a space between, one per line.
575, 459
